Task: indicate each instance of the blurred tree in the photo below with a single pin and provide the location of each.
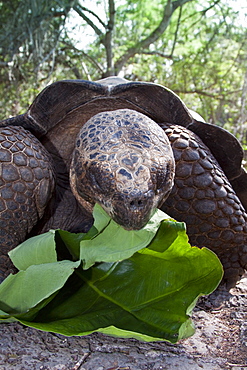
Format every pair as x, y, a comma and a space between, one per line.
196, 49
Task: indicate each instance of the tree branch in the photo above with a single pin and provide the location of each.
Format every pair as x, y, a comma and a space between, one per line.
177, 28
169, 9
156, 52
236, 59
72, 47
202, 92
4, 64
94, 14
243, 112
107, 41
77, 9
202, 14
207, 45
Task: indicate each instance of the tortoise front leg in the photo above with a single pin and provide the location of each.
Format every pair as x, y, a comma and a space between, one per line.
204, 199
26, 185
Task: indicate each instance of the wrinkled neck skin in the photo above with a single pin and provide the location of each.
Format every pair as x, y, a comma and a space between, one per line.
122, 161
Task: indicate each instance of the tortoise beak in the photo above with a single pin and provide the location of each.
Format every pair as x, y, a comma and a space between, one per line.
134, 210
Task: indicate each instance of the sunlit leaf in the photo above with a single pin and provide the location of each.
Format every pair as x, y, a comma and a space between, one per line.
132, 291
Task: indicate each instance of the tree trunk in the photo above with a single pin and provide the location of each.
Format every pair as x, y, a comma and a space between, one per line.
108, 40
169, 9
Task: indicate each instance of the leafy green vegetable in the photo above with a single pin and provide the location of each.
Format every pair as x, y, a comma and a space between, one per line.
129, 291
33, 285
102, 247
41, 249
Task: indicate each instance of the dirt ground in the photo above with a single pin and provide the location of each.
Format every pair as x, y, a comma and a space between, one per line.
220, 342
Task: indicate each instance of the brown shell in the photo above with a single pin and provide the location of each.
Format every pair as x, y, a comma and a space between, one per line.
60, 110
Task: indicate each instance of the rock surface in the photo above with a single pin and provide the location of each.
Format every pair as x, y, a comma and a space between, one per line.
220, 342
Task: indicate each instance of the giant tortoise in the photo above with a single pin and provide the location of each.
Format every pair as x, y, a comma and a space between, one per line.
131, 147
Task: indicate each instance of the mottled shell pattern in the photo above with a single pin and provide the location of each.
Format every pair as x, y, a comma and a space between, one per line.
123, 160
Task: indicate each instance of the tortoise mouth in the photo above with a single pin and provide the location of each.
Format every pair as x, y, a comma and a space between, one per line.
133, 211
134, 221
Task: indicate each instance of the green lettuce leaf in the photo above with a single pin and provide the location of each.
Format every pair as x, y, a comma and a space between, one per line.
102, 247
141, 284
35, 251
23, 291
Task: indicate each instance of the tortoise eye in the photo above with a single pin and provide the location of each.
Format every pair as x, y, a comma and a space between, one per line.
101, 178
83, 195
163, 179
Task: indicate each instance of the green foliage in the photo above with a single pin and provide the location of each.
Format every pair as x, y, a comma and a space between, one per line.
126, 290
196, 49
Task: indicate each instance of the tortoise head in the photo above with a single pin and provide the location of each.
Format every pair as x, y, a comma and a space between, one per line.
123, 161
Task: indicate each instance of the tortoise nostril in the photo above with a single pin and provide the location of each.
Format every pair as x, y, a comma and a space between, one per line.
136, 203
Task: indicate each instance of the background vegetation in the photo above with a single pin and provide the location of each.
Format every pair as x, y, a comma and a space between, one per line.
197, 49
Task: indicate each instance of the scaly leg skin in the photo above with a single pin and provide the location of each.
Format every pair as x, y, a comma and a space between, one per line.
26, 185
204, 199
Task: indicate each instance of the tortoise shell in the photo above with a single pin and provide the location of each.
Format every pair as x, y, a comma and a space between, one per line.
62, 108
